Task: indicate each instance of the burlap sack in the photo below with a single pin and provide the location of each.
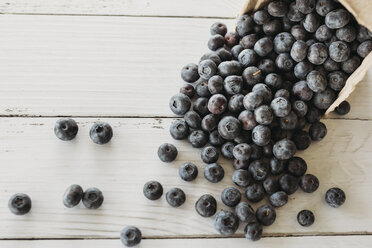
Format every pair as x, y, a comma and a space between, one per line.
362, 11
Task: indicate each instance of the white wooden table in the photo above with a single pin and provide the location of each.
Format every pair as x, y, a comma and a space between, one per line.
119, 61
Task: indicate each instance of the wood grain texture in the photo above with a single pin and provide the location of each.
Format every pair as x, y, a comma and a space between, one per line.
105, 66
35, 162
204, 8
285, 242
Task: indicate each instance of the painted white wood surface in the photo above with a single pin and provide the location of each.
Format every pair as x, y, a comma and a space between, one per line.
284, 242
35, 162
105, 66
192, 8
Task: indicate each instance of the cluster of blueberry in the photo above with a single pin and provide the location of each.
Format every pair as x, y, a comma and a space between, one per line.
260, 94
92, 198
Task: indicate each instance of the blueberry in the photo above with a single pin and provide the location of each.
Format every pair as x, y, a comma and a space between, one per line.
305, 6
240, 164
252, 100
209, 154
167, 152
280, 106
206, 205
316, 81
299, 51
255, 192
347, 33
209, 123
278, 199
188, 90
272, 27
289, 122
247, 120
241, 178
300, 108
288, 183
264, 115
216, 41
207, 68
277, 9
263, 46
311, 22
130, 236
271, 185
279, 134
198, 138
309, 183
214, 172
317, 53
175, 197
101, 133
235, 104
215, 139
216, 105
350, 65
337, 18
317, 131
284, 149
259, 170
226, 222
266, 66
218, 28
189, 73
236, 50
230, 196
193, 119
298, 32
335, 197
228, 68
296, 166
179, 129
324, 99
363, 34
229, 127
301, 139
274, 81
227, 150
249, 40
233, 84
302, 91
305, 218
188, 171
201, 88
253, 231
261, 16
343, 108
245, 212
283, 42
66, 129
339, 51
284, 62
364, 48
323, 7
93, 198
244, 25
72, 196
180, 104
232, 39
303, 68
282, 93
153, 190
247, 57
277, 166
19, 204
252, 75
261, 135
266, 215
313, 114
212, 56
200, 106
224, 54
331, 65
242, 151
294, 14
215, 84
264, 91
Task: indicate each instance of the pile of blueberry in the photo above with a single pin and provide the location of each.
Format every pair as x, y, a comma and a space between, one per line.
258, 95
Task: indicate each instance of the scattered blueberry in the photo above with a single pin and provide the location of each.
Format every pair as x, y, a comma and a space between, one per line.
206, 205
189, 73
253, 231
130, 236
305, 218
167, 152
188, 171
66, 129
19, 204
309, 183
153, 190
278, 199
335, 197
209, 154
175, 197
266, 215
92, 198
343, 108
230, 196
73, 196
101, 133
214, 172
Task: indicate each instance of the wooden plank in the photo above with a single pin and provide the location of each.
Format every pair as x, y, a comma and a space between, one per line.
35, 162
105, 66
205, 8
287, 242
